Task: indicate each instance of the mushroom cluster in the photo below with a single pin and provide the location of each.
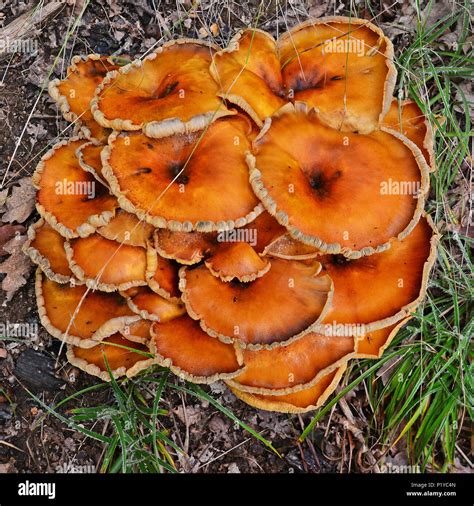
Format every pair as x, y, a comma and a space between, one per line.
252, 214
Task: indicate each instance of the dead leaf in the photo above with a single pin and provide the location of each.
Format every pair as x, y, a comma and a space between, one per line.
6, 233
21, 202
16, 267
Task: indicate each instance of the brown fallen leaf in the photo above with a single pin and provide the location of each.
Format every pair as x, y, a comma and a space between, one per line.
6, 233
21, 202
16, 267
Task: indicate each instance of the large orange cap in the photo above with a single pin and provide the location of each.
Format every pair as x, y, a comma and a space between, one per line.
343, 67
74, 93
382, 289
45, 247
300, 364
78, 316
70, 199
407, 118
302, 401
340, 192
170, 91
108, 265
249, 75
284, 303
151, 306
184, 182
189, 352
115, 356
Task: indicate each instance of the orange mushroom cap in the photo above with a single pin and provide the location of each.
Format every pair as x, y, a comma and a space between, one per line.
74, 93
78, 316
284, 303
237, 261
301, 401
288, 248
168, 92
88, 156
108, 265
163, 279
138, 331
295, 367
249, 74
126, 228
186, 182
379, 290
115, 353
45, 247
151, 306
341, 66
71, 200
407, 118
190, 353
261, 231
346, 193
187, 248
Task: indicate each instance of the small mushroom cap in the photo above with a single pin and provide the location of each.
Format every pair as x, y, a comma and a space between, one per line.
343, 67
249, 75
122, 356
77, 315
189, 352
45, 247
288, 248
407, 118
237, 261
284, 303
186, 248
88, 155
126, 228
373, 344
151, 306
294, 367
170, 91
347, 192
74, 93
138, 331
107, 265
184, 182
301, 401
70, 199
382, 289
164, 278
191, 247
